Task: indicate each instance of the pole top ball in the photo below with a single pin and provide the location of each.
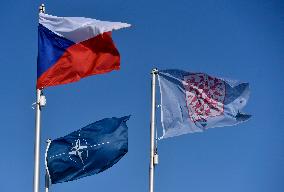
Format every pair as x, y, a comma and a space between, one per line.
42, 8
154, 71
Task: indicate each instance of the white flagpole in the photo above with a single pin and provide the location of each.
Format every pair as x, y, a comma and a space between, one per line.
40, 102
37, 142
47, 179
46, 182
153, 155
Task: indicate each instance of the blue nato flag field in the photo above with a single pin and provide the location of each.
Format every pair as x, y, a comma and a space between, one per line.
235, 39
94, 148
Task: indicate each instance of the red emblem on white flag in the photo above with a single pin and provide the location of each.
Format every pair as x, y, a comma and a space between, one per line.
205, 96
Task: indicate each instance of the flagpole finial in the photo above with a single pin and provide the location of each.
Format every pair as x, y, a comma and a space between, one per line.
154, 71
42, 8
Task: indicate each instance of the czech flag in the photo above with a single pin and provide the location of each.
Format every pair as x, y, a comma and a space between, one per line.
71, 48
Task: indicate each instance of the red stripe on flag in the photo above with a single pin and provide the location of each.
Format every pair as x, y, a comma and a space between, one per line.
94, 56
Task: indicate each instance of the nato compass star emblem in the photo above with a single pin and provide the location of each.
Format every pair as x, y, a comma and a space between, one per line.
79, 150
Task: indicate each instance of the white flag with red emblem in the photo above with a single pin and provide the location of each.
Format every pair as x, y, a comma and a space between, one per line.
193, 102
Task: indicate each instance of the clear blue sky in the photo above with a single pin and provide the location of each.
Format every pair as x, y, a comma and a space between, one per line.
237, 39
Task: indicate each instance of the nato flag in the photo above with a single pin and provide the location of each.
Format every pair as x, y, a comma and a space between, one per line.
87, 151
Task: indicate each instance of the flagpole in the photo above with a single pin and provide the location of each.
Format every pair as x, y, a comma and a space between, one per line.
40, 102
46, 182
47, 179
152, 132
37, 142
